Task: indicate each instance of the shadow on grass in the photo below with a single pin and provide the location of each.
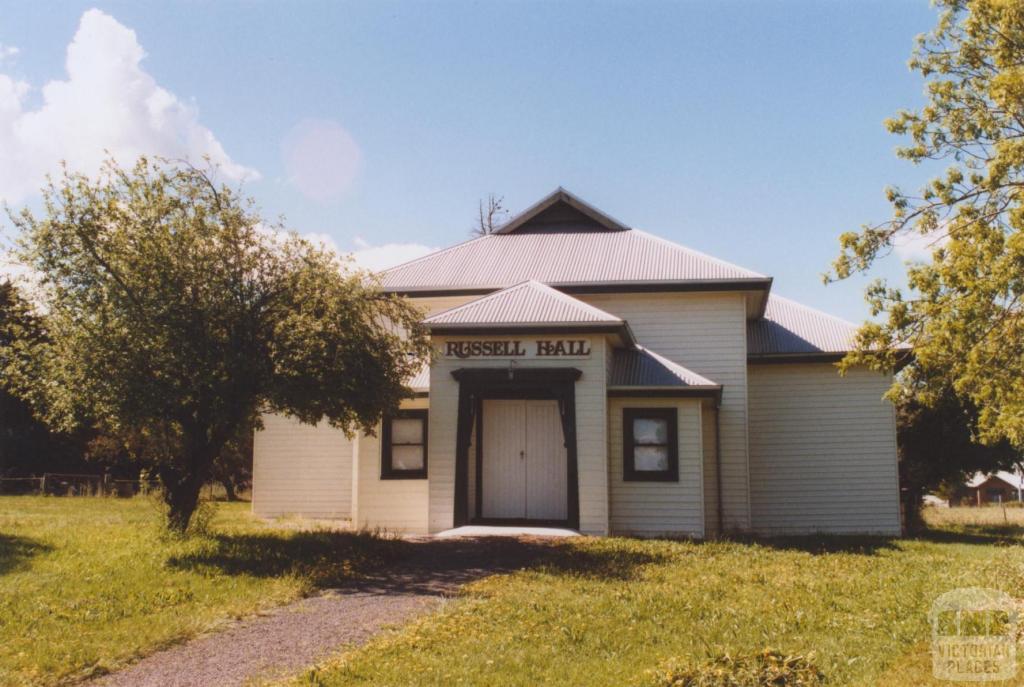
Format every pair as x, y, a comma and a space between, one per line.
324, 558
1000, 535
370, 564
613, 563
15, 552
818, 544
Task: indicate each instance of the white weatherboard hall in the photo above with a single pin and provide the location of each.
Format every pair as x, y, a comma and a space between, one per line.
592, 376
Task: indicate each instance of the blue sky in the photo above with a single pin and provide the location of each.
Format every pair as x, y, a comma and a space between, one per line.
748, 130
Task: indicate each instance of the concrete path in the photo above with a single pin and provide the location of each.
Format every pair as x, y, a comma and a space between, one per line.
295, 636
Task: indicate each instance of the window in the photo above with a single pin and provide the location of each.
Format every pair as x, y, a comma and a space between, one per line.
650, 451
404, 445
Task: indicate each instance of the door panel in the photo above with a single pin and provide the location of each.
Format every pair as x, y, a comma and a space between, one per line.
546, 462
504, 463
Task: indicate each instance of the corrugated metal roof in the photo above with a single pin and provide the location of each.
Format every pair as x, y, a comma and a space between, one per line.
560, 259
979, 478
791, 328
530, 303
640, 367
420, 382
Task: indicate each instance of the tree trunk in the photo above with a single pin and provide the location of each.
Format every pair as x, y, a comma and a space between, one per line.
182, 484
229, 489
182, 499
912, 504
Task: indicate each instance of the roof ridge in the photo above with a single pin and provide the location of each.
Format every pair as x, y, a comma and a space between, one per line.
694, 251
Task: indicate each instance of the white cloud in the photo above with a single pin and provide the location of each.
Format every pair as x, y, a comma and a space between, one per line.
365, 255
107, 102
916, 247
321, 159
7, 52
321, 239
387, 255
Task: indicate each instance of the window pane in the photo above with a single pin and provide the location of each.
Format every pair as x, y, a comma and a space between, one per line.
650, 458
407, 458
650, 431
407, 431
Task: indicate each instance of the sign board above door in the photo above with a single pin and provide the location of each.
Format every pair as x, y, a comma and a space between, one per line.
517, 348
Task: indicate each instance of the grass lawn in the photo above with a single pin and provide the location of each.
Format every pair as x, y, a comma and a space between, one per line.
87, 584
614, 611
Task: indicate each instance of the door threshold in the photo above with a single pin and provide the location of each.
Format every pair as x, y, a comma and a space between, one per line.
474, 531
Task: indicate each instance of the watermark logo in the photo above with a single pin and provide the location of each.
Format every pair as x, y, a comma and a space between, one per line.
974, 635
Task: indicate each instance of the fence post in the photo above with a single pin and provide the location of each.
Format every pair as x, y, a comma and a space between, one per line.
42, 485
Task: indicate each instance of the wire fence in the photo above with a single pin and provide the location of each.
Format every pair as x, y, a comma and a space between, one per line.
63, 484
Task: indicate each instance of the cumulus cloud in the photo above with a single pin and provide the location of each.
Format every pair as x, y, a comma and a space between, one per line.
321, 159
916, 247
381, 257
7, 52
365, 255
108, 102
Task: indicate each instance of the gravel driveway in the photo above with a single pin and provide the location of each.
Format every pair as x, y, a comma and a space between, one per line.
292, 637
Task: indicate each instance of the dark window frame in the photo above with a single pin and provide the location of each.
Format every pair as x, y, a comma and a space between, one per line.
629, 471
386, 470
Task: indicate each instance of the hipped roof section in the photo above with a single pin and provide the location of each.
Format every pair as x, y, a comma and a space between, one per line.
640, 369
528, 306
789, 329
570, 245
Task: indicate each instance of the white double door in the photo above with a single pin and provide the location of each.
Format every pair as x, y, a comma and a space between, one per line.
524, 466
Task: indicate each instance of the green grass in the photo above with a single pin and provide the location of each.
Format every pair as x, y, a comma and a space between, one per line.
618, 611
88, 584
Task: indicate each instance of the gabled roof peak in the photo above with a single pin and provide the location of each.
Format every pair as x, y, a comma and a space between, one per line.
559, 211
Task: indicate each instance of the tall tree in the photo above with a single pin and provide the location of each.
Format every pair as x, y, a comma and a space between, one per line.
964, 312
937, 447
491, 215
27, 446
175, 313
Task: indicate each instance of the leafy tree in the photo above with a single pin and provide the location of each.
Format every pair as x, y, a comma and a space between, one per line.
937, 448
175, 314
27, 446
964, 313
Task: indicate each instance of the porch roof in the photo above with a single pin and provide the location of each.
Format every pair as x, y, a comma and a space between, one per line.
527, 306
638, 371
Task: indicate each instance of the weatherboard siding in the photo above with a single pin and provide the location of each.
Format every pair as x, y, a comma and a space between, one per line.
301, 469
822, 451
652, 509
398, 505
708, 439
707, 333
